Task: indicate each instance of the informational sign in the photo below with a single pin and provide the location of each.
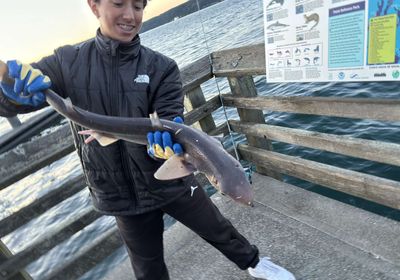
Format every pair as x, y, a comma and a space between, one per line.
332, 40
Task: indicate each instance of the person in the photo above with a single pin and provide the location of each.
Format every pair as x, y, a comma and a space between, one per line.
113, 74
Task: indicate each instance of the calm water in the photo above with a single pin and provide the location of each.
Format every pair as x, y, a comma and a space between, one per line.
229, 24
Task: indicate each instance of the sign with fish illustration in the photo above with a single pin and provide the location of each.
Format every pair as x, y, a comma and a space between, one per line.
332, 40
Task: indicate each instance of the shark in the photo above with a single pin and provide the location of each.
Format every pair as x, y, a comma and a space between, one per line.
202, 153
276, 26
273, 2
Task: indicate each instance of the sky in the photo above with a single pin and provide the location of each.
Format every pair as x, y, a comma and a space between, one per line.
32, 29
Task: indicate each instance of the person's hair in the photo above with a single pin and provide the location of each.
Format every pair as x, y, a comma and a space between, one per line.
144, 2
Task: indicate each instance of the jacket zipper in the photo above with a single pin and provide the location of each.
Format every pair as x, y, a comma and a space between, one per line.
122, 148
113, 86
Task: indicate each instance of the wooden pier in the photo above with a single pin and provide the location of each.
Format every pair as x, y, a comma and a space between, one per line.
314, 236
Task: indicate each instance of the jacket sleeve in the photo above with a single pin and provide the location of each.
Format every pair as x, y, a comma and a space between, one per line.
51, 67
168, 99
48, 66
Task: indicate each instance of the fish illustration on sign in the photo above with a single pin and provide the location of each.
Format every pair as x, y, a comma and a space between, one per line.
276, 26
273, 2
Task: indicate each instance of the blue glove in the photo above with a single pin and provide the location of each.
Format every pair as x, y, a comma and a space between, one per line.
29, 84
160, 144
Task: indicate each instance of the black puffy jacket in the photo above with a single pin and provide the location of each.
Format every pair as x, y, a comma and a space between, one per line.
111, 78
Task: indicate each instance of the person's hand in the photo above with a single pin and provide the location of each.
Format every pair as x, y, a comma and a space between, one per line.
102, 138
160, 144
28, 86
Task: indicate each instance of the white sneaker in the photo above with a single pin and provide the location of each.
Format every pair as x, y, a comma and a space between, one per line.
266, 269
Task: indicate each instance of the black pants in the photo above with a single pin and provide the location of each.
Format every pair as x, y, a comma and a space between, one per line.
143, 233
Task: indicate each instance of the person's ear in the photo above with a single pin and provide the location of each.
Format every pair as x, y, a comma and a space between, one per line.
93, 6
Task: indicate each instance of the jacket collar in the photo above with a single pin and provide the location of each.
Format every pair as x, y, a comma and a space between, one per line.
110, 47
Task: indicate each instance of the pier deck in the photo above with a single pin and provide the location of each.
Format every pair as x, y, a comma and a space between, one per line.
313, 236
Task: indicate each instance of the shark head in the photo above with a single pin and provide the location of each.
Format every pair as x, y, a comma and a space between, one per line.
232, 183
236, 186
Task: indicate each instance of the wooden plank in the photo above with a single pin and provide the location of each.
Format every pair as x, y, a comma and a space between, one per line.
248, 60
41, 205
358, 108
30, 157
50, 240
202, 111
383, 152
196, 73
5, 253
28, 129
221, 129
245, 87
89, 257
376, 189
194, 99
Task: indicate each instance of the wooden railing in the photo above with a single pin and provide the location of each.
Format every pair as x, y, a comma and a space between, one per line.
249, 61
238, 66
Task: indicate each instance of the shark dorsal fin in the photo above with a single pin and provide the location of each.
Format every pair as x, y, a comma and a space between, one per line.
68, 103
155, 120
175, 167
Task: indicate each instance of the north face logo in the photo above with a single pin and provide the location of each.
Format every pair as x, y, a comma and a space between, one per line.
143, 79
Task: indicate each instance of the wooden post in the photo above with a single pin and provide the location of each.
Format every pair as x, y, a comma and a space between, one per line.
194, 99
5, 254
245, 87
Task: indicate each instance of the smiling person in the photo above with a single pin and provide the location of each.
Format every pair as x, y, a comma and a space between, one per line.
113, 74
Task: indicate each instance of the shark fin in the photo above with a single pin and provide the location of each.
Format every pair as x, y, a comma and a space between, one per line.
155, 120
175, 167
68, 103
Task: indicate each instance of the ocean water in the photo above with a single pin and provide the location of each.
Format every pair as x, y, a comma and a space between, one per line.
229, 24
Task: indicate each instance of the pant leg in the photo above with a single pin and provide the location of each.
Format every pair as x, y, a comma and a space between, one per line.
196, 211
143, 237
